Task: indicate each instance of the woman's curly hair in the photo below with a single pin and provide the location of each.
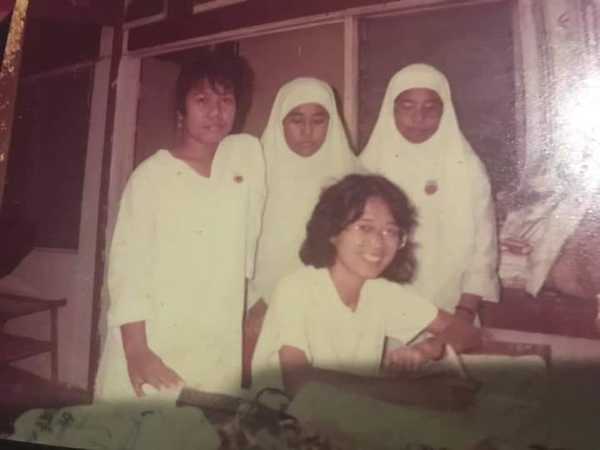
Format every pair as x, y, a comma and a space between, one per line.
342, 204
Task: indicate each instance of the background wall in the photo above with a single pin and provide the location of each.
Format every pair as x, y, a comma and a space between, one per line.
274, 59
473, 46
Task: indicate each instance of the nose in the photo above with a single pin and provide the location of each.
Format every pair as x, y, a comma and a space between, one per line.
376, 240
418, 116
306, 130
216, 109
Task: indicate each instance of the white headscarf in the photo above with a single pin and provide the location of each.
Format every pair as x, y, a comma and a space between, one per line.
295, 182
446, 227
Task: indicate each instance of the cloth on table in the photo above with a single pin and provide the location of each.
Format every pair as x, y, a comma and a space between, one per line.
143, 425
505, 411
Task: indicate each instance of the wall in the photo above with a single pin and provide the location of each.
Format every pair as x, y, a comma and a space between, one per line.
69, 274
316, 51
155, 128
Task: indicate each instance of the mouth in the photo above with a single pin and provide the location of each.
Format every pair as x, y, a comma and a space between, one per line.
215, 126
374, 259
418, 134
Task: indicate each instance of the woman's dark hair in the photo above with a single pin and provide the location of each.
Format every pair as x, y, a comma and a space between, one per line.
223, 70
343, 204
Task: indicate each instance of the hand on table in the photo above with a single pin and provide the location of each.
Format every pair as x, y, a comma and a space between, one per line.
412, 358
146, 367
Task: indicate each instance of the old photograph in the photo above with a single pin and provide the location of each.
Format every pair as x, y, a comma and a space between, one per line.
261, 224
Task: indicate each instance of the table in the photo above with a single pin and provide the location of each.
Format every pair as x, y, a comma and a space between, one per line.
13, 347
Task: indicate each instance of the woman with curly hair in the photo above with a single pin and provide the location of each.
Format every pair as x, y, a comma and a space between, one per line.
327, 322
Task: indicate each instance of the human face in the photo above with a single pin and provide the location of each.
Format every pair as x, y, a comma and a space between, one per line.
305, 128
209, 114
417, 113
366, 247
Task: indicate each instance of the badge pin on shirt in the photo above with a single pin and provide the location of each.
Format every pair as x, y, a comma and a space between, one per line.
431, 187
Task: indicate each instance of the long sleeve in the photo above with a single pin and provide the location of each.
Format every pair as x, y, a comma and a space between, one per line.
480, 277
131, 258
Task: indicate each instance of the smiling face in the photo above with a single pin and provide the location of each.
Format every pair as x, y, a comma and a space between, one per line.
209, 114
305, 128
417, 113
366, 247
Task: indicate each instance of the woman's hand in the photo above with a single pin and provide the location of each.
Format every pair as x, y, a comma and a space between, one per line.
412, 358
145, 367
404, 359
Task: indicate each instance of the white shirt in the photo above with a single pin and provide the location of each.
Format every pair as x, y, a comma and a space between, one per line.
456, 232
182, 247
307, 313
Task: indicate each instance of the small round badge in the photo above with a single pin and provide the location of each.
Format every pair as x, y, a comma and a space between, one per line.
238, 178
431, 187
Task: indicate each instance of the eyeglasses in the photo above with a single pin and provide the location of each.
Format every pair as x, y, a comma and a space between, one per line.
389, 234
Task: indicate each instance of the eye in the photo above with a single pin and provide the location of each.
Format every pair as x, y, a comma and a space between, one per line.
320, 122
433, 108
364, 227
295, 120
404, 105
391, 232
228, 100
200, 99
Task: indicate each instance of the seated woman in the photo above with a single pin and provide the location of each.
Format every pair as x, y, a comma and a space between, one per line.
327, 322
417, 143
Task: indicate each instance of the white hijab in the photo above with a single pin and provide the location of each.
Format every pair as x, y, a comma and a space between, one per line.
295, 182
446, 228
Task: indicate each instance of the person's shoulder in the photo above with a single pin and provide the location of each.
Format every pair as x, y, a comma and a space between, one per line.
242, 151
241, 139
242, 143
147, 171
300, 277
391, 291
472, 158
300, 281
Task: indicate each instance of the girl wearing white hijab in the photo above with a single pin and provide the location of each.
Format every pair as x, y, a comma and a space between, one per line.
417, 143
305, 148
